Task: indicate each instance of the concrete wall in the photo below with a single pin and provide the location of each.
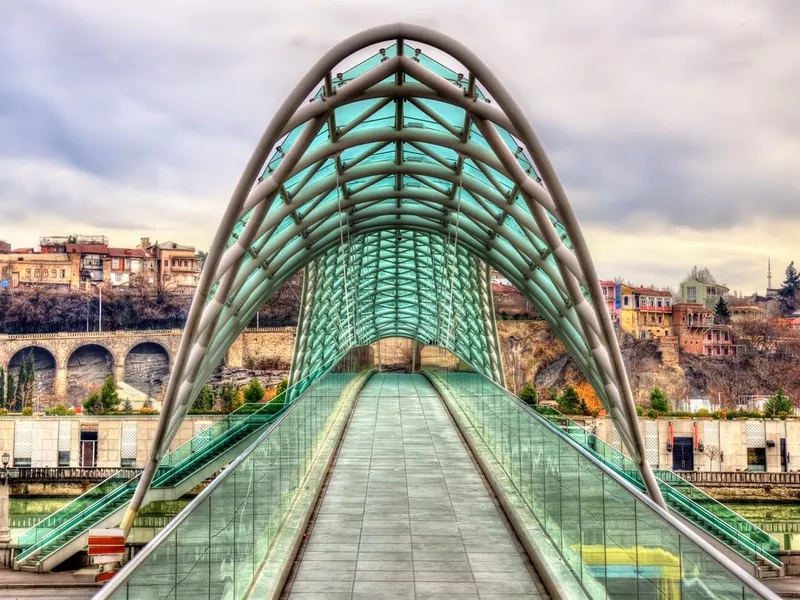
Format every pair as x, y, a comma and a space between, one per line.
45, 445
45, 437
729, 453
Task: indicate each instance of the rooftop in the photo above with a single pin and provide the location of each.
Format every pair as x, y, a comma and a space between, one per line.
86, 249
128, 252
651, 292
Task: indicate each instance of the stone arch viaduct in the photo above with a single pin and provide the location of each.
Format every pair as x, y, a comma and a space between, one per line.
62, 345
254, 343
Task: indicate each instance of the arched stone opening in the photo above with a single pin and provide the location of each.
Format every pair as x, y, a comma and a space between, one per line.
87, 368
147, 368
44, 371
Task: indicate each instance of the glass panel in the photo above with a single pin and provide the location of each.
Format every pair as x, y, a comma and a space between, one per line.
218, 545
609, 536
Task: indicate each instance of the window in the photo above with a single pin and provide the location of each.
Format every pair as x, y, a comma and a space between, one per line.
115, 263
128, 445
756, 459
659, 319
726, 336
709, 335
45, 274
63, 273
659, 303
691, 293
63, 458
28, 273
626, 297
36, 273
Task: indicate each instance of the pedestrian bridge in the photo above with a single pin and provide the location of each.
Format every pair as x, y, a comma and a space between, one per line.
398, 174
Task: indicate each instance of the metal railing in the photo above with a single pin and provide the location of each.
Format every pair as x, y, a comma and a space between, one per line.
214, 547
616, 541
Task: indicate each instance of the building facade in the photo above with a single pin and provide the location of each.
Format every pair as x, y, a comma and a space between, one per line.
644, 312
697, 332
34, 269
99, 441
694, 291
177, 266
131, 266
706, 444
75, 262
610, 291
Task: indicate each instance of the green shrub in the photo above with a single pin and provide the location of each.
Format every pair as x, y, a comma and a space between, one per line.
528, 395
60, 410
658, 401
778, 405
93, 405
569, 402
27, 411
109, 395
205, 399
254, 392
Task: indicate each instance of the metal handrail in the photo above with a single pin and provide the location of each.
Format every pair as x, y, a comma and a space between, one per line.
679, 497
715, 554
134, 565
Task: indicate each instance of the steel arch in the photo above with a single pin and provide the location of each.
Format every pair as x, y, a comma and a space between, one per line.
399, 143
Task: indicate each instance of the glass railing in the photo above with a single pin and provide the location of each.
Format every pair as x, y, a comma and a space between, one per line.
66, 513
107, 497
214, 547
763, 543
716, 519
615, 540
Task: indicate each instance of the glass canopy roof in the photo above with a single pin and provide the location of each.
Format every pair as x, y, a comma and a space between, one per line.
397, 184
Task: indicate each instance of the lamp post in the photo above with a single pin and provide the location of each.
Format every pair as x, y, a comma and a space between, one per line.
5, 532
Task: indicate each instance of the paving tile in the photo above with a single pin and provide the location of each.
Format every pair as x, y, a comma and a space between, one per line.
406, 514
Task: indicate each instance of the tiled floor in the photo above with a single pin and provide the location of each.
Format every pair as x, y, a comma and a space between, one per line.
406, 514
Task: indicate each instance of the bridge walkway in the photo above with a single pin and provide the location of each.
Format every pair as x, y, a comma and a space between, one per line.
406, 513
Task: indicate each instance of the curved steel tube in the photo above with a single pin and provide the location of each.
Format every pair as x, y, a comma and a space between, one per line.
543, 253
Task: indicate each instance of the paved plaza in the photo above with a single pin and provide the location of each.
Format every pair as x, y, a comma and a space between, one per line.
406, 514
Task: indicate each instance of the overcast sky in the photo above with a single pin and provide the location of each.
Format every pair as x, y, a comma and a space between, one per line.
675, 126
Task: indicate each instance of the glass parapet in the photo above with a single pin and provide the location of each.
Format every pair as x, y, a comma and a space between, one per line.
616, 542
214, 548
716, 519
108, 497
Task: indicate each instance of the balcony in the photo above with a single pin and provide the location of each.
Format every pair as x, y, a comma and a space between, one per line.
659, 309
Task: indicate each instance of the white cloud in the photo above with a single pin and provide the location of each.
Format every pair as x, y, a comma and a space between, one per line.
676, 119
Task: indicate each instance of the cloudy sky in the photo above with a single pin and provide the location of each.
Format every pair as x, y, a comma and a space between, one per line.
675, 126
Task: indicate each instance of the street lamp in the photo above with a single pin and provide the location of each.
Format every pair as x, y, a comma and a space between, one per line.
5, 532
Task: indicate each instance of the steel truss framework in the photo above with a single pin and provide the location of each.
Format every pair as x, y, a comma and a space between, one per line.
397, 283
398, 145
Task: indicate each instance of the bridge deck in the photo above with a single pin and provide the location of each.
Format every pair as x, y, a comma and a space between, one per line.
406, 513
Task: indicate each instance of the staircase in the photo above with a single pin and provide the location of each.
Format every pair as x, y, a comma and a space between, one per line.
51, 541
729, 529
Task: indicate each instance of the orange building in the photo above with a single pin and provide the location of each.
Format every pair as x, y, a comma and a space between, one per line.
694, 326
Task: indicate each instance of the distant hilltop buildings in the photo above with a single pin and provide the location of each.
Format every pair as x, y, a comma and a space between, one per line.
78, 262
701, 318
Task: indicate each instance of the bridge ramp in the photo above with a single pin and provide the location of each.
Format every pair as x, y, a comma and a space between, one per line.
406, 513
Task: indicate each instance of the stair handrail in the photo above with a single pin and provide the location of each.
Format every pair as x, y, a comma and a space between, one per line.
768, 553
70, 505
290, 395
